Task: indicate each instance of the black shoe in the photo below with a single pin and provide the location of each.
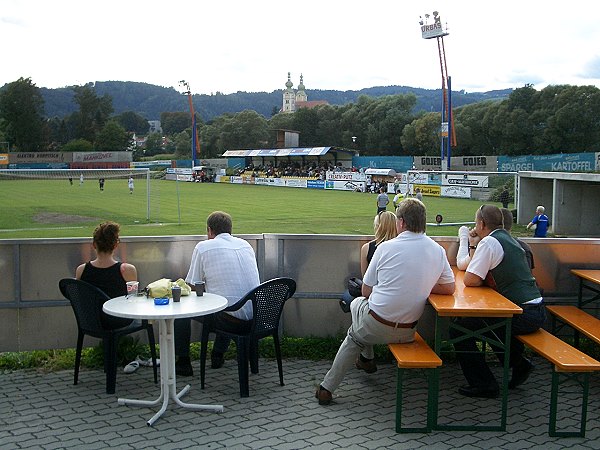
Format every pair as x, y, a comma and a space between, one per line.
520, 373
368, 365
216, 361
323, 395
183, 367
479, 391
345, 306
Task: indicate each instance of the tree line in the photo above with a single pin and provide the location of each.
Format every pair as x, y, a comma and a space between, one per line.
561, 118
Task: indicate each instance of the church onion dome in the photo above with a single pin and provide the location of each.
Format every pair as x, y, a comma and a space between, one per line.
301, 85
289, 83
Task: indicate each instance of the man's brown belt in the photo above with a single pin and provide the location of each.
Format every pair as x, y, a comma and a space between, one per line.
392, 324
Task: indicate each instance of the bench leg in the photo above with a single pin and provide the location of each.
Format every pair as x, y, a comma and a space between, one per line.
554, 403
430, 417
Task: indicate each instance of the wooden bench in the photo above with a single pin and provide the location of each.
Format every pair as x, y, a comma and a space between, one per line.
578, 319
569, 362
415, 355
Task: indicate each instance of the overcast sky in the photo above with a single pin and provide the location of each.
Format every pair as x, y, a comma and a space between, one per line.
240, 45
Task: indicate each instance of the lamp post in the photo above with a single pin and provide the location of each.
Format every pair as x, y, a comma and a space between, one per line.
430, 30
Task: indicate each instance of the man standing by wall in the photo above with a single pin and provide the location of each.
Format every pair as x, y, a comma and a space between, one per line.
400, 277
540, 221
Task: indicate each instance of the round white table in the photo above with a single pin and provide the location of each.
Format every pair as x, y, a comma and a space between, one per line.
144, 308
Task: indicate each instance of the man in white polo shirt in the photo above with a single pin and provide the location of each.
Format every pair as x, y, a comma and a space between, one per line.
400, 277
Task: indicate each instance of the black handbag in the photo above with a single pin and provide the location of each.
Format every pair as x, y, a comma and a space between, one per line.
354, 290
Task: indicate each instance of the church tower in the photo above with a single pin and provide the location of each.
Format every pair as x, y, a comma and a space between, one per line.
289, 97
301, 94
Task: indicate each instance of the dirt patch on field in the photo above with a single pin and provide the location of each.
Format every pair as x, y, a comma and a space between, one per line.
52, 217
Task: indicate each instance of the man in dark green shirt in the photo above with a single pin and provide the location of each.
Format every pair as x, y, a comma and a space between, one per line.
499, 261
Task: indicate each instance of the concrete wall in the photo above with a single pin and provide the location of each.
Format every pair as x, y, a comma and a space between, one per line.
572, 201
34, 315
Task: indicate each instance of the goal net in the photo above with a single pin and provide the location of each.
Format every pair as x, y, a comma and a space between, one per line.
67, 198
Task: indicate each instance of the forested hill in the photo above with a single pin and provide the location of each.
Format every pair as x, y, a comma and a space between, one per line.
150, 100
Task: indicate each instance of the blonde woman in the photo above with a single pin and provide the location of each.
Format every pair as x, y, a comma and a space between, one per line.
385, 229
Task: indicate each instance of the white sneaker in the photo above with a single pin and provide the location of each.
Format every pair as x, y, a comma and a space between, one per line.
146, 362
131, 367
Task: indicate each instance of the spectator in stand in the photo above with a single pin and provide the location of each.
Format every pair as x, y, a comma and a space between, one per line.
540, 221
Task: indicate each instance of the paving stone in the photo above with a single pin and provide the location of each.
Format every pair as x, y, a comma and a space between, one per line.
40, 410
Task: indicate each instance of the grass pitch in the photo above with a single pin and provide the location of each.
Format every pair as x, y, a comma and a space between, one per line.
53, 208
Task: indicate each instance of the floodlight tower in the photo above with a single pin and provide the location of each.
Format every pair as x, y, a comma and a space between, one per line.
430, 30
195, 140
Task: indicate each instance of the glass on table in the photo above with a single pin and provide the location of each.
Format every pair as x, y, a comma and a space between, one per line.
132, 288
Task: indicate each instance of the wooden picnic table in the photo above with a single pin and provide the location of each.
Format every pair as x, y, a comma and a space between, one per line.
484, 302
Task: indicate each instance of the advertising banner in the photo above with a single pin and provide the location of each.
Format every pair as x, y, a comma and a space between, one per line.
562, 162
463, 163
265, 181
40, 157
425, 178
345, 176
427, 189
179, 170
460, 180
236, 180
456, 191
315, 184
345, 185
398, 163
102, 156
3, 159
296, 183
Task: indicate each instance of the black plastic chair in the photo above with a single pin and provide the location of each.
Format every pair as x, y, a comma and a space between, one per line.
87, 301
267, 302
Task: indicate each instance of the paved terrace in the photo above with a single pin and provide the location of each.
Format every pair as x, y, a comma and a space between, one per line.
45, 410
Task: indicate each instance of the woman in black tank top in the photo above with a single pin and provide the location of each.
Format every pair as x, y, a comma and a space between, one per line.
105, 272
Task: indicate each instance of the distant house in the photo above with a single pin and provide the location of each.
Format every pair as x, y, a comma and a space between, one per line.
294, 100
140, 141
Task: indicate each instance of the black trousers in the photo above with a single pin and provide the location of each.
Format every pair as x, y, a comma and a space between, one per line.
472, 361
223, 321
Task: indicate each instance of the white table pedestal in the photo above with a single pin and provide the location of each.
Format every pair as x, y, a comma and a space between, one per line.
168, 382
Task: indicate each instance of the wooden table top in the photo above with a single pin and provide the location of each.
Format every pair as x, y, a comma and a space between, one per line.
481, 301
590, 275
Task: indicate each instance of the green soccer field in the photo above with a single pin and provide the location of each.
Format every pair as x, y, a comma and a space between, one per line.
53, 208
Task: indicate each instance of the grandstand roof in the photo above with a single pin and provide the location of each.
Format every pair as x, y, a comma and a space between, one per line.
276, 152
